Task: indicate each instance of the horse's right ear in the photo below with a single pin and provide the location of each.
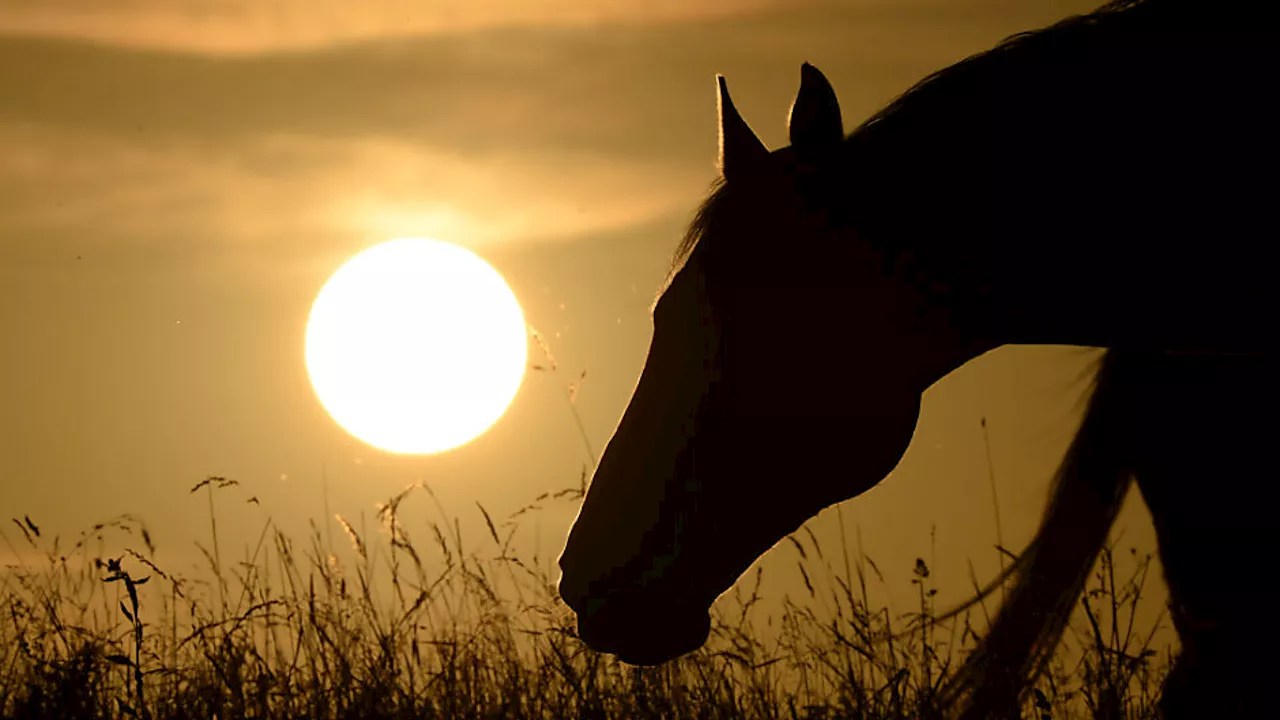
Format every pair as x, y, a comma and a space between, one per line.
741, 152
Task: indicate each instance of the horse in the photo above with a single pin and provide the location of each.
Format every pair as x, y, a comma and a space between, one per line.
1100, 182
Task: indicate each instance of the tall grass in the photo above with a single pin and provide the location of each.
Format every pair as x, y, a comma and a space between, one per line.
444, 628
439, 628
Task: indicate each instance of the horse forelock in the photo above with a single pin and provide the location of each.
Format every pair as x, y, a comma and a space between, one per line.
703, 219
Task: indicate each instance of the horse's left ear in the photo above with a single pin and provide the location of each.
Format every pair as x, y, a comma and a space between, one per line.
815, 123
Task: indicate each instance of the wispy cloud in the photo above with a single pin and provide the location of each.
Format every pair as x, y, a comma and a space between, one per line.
249, 26
500, 135
280, 191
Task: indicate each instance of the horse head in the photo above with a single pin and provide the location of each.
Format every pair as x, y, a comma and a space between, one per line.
784, 375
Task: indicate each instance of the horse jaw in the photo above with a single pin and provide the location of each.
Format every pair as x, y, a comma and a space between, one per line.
659, 610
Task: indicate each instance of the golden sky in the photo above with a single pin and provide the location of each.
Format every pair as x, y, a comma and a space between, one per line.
178, 179
254, 26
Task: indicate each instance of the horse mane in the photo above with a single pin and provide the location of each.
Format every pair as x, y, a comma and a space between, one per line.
703, 220
941, 85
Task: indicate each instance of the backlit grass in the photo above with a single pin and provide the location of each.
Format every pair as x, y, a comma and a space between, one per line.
435, 627
440, 627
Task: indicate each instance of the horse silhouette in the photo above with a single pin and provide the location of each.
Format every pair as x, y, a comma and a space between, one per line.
1105, 181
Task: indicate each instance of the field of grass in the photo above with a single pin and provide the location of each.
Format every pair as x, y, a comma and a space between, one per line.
442, 628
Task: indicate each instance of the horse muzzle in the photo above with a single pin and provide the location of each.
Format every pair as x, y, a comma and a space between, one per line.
643, 631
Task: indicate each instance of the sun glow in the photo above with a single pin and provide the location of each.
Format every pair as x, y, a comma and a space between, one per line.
416, 346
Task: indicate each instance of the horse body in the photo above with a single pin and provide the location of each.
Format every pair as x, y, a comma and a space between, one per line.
1102, 182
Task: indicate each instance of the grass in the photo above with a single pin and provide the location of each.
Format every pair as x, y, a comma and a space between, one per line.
438, 629
394, 627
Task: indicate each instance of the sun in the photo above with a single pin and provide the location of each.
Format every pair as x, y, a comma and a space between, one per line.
416, 346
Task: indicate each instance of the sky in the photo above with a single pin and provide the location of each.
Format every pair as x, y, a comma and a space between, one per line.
179, 178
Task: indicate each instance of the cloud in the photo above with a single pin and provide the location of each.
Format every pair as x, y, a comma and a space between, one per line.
256, 26
643, 90
506, 134
285, 192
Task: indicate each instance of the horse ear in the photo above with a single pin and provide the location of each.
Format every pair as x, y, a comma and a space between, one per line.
815, 123
741, 152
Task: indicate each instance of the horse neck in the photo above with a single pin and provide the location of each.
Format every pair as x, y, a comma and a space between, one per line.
1100, 191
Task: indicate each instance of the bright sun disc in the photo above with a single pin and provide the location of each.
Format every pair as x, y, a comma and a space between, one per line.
416, 346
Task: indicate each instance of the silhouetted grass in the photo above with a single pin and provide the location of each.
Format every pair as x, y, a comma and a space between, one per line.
441, 629
437, 628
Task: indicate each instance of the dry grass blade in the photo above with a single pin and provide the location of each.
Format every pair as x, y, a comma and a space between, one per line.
488, 521
356, 542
